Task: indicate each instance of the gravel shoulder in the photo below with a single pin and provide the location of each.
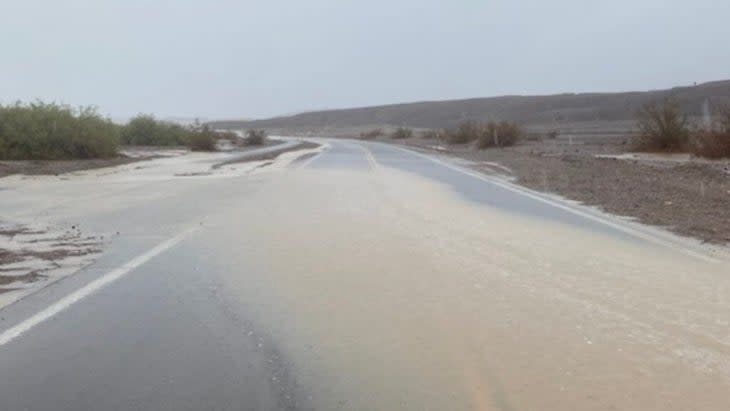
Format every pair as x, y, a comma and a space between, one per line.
690, 197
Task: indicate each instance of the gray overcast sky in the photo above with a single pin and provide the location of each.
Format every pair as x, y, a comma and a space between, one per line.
246, 58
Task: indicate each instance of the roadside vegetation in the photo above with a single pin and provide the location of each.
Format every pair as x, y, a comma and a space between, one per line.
483, 135
372, 134
50, 131
255, 137
201, 139
664, 128
715, 141
401, 133
500, 134
431, 134
146, 130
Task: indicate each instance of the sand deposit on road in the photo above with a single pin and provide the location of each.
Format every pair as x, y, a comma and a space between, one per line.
44, 219
387, 291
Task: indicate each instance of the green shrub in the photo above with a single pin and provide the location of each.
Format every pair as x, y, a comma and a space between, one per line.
49, 131
227, 135
202, 139
146, 130
662, 127
255, 137
401, 133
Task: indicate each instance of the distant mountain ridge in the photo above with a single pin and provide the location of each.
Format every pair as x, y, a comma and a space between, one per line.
527, 110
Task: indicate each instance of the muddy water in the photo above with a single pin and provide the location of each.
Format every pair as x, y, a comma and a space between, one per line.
386, 291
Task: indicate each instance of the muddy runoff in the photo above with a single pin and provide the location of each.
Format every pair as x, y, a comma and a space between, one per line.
387, 291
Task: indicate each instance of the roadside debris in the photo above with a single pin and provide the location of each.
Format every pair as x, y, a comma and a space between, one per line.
31, 256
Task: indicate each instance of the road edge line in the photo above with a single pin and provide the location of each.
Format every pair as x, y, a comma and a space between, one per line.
26, 325
651, 237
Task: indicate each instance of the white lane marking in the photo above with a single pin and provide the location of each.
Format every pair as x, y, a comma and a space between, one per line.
651, 237
90, 288
369, 156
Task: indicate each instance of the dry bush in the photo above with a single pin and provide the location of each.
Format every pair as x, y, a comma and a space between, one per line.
401, 133
711, 144
552, 134
509, 133
724, 121
372, 134
715, 142
662, 127
430, 134
465, 133
500, 134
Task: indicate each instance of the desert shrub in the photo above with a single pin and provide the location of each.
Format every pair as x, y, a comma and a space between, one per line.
662, 127
500, 134
146, 130
401, 133
552, 134
713, 142
508, 133
226, 135
372, 134
722, 120
430, 134
49, 131
255, 137
202, 139
465, 133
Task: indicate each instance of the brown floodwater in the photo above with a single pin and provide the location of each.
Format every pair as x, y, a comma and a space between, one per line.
388, 291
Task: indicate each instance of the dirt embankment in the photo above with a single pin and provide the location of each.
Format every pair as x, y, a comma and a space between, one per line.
55, 167
127, 154
688, 196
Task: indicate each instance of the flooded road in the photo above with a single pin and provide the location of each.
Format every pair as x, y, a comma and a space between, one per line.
364, 279
390, 291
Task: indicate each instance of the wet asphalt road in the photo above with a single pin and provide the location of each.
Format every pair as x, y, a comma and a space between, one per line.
169, 336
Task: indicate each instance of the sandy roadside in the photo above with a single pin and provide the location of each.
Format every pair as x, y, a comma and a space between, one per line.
39, 246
